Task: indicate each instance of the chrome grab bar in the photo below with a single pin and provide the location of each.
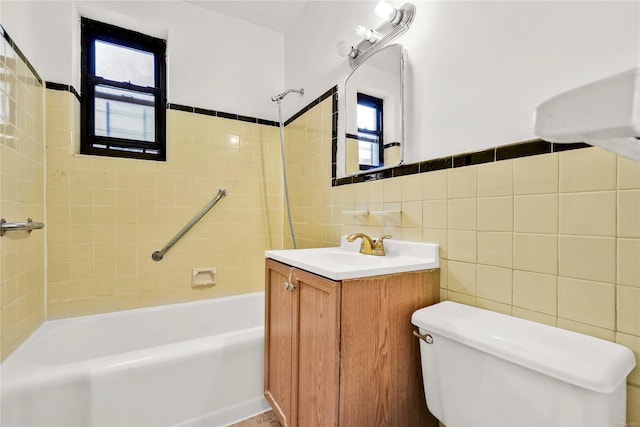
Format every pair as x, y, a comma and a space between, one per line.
158, 255
28, 226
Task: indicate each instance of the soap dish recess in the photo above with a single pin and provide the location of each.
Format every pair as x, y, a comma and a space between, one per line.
203, 277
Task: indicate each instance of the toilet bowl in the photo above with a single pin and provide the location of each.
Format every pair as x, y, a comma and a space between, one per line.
482, 368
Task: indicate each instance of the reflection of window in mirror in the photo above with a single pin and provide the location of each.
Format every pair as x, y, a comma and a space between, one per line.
370, 135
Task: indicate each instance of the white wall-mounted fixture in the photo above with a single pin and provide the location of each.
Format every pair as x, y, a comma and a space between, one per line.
605, 113
397, 22
360, 216
390, 217
355, 213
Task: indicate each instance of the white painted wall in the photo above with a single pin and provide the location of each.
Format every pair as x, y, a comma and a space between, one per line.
477, 69
214, 61
42, 31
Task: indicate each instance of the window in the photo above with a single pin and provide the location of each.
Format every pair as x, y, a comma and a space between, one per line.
123, 93
370, 137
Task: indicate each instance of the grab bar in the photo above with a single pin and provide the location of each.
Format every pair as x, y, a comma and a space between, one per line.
29, 226
158, 255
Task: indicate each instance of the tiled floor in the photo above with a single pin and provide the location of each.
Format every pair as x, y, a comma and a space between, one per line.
266, 419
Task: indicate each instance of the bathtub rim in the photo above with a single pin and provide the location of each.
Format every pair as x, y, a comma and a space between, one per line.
51, 323
23, 369
149, 309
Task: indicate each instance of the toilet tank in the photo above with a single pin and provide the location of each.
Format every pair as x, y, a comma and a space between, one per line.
488, 369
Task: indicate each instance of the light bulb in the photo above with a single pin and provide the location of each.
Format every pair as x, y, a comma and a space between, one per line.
345, 49
385, 11
367, 34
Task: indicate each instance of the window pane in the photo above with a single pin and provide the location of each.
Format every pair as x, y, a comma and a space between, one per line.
125, 114
367, 117
123, 64
368, 150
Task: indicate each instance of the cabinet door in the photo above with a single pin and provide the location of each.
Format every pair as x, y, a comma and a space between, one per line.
381, 379
302, 344
318, 342
279, 346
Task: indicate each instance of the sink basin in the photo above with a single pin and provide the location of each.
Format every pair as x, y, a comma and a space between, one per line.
339, 257
345, 262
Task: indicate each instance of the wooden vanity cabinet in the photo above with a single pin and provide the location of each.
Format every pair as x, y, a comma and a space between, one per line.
342, 353
302, 346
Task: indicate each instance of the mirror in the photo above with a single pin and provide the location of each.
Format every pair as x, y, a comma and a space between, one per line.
374, 113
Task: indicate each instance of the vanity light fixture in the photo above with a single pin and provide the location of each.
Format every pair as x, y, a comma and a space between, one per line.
397, 21
367, 34
346, 49
385, 11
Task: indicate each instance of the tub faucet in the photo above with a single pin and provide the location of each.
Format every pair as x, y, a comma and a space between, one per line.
368, 245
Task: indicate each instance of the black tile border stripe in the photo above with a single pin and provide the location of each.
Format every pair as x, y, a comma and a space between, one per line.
504, 152
18, 52
188, 109
566, 147
318, 100
63, 87
334, 133
197, 110
221, 114
179, 107
531, 147
436, 164
57, 86
476, 158
331, 92
528, 148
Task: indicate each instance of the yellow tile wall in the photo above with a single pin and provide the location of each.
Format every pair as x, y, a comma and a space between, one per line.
552, 238
315, 210
22, 276
107, 215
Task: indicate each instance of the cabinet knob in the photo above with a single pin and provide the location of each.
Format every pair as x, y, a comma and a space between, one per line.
288, 285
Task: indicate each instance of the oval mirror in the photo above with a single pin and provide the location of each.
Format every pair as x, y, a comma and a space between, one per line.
374, 113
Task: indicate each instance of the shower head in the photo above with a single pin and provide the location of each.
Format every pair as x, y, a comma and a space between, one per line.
278, 97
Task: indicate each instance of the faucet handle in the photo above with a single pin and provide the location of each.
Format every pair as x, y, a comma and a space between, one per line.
386, 236
379, 245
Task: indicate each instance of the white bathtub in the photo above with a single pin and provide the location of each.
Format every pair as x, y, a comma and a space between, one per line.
190, 364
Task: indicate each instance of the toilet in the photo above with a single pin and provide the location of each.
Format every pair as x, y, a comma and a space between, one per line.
482, 368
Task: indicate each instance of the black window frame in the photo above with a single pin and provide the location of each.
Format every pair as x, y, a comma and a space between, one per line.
373, 135
107, 145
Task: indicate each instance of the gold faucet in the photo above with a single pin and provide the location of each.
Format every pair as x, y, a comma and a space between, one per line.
369, 246
378, 247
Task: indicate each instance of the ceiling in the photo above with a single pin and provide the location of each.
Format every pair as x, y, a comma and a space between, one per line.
275, 15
